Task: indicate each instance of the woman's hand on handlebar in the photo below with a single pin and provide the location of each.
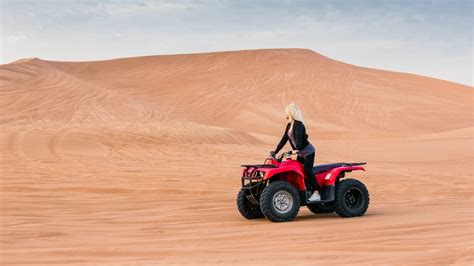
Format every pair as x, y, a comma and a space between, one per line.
288, 153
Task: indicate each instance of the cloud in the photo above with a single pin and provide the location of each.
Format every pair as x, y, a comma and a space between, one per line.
13, 39
127, 8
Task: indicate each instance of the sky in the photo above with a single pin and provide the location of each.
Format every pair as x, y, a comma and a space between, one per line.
430, 38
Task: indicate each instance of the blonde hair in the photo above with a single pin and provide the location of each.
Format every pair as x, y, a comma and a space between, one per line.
294, 112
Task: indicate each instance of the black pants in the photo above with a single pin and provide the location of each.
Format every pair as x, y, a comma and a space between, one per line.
308, 163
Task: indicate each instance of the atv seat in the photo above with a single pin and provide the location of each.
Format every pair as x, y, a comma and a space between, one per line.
326, 167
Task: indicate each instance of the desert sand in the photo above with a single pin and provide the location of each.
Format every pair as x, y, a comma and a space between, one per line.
137, 160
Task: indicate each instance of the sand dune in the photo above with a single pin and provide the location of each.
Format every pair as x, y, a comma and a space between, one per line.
136, 160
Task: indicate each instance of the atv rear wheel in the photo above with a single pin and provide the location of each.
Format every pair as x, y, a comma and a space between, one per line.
280, 202
352, 198
321, 207
247, 208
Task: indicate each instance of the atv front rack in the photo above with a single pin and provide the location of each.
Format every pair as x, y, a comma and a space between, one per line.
259, 165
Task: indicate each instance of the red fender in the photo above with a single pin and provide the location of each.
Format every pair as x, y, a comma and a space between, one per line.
291, 171
329, 177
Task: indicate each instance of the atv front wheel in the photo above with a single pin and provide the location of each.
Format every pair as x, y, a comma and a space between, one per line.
247, 208
280, 202
352, 198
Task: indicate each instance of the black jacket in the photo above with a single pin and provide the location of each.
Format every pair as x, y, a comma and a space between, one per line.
299, 133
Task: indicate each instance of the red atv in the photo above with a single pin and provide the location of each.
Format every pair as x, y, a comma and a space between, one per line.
276, 190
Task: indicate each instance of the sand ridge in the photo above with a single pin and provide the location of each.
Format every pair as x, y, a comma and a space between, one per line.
136, 160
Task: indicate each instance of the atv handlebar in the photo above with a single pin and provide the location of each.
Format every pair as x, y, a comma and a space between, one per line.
283, 154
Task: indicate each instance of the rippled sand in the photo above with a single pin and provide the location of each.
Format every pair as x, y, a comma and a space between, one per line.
136, 160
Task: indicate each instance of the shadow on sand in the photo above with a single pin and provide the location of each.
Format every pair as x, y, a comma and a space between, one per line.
325, 216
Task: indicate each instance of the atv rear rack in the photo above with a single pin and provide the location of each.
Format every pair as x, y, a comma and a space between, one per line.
354, 164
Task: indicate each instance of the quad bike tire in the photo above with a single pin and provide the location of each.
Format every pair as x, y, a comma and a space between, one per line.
247, 208
352, 198
318, 208
280, 201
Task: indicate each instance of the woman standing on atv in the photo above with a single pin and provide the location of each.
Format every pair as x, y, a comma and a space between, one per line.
296, 132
